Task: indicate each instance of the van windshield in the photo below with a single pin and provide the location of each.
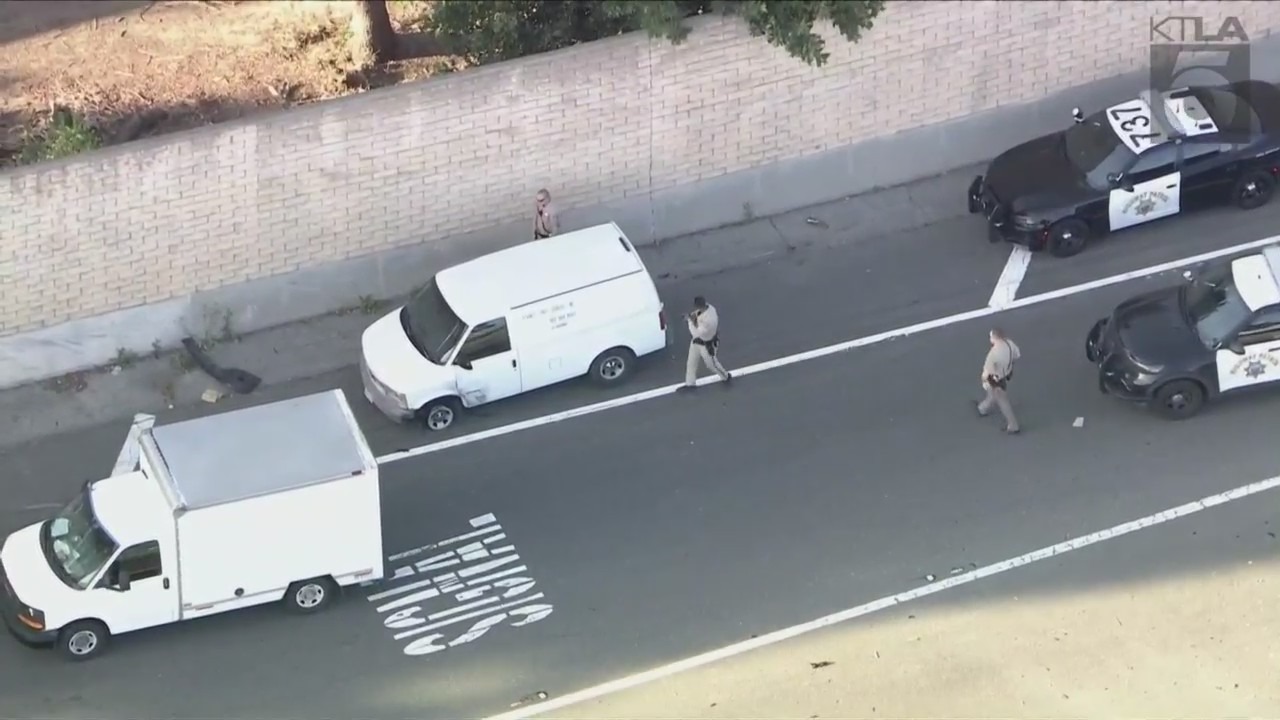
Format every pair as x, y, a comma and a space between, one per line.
75, 545
431, 324
1213, 306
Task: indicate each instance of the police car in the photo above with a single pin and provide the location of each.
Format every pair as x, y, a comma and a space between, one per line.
1155, 156
1216, 334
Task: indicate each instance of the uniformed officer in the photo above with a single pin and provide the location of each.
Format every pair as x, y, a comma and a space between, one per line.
996, 373
704, 326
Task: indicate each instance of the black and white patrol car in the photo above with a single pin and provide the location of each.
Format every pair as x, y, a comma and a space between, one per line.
1216, 334
1157, 155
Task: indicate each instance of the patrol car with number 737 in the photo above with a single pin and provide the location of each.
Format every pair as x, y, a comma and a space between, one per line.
1155, 156
1216, 334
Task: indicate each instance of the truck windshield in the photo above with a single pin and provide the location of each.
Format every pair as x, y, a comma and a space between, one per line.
1094, 150
1213, 306
75, 545
431, 324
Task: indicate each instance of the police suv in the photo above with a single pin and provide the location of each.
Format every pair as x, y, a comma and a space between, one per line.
1152, 157
1217, 333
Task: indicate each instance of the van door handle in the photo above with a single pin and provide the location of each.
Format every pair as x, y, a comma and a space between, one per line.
166, 583
513, 363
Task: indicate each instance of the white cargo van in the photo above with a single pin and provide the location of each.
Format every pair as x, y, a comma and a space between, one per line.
269, 503
576, 304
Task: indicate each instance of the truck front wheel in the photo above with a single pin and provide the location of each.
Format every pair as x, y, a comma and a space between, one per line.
308, 596
83, 639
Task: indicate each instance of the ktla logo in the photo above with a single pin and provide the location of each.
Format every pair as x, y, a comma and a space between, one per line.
1187, 52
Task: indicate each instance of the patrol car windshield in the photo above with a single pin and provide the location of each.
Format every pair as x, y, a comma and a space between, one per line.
1214, 307
431, 325
1095, 150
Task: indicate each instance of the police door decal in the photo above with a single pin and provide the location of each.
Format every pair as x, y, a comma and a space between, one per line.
1258, 365
1149, 200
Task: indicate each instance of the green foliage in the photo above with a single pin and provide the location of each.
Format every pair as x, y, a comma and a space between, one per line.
65, 136
493, 30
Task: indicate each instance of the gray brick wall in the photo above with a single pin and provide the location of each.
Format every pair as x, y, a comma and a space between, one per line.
164, 217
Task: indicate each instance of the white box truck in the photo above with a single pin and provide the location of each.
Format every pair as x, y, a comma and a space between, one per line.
278, 502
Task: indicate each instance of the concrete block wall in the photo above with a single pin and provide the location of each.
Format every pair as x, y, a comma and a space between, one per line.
296, 213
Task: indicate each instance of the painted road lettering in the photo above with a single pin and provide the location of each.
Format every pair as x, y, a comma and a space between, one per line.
482, 572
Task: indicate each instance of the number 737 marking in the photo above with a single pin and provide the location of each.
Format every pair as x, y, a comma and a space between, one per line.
1139, 120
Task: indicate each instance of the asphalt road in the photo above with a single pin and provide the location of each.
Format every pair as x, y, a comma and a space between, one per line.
674, 526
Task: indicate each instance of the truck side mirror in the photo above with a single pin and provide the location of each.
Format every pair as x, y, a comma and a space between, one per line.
122, 581
1236, 347
464, 364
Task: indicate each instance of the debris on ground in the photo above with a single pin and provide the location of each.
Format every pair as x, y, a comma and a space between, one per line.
1079, 423
821, 664
212, 395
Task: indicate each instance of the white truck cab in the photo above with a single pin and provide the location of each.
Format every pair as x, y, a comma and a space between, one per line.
269, 503
577, 304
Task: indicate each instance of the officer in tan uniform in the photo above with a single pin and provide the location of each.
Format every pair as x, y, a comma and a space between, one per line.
704, 326
996, 372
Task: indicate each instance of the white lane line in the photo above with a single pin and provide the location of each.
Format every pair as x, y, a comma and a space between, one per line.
823, 351
778, 636
1015, 269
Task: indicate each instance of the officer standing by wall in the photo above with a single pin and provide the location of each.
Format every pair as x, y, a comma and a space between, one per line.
704, 326
997, 370
545, 221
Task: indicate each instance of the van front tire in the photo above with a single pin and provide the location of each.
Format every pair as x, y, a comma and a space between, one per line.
310, 596
613, 366
439, 414
83, 639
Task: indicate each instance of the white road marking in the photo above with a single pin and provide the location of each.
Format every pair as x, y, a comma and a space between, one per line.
1015, 269
824, 351
778, 636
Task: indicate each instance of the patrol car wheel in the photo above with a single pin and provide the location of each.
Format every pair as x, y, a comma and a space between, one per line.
1179, 399
439, 414
612, 366
1254, 190
1068, 237
83, 639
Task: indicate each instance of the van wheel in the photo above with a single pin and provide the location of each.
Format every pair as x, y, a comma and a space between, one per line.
83, 639
1254, 190
308, 596
612, 366
1179, 400
439, 414
1068, 237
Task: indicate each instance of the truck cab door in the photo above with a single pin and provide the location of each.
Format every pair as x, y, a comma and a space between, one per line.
137, 591
486, 366
1253, 358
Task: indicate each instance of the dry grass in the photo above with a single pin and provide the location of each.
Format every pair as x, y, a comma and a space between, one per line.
133, 69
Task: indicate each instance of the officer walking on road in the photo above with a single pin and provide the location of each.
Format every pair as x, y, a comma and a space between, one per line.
704, 326
996, 373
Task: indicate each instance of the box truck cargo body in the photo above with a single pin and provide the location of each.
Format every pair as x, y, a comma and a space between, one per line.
278, 502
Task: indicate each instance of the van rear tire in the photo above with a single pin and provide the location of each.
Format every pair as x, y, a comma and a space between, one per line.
309, 596
613, 366
83, 639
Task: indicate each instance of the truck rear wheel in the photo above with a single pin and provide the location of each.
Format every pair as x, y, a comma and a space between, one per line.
83, 639
308, 596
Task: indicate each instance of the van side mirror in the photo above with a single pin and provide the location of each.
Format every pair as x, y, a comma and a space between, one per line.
122, 580
464, 364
